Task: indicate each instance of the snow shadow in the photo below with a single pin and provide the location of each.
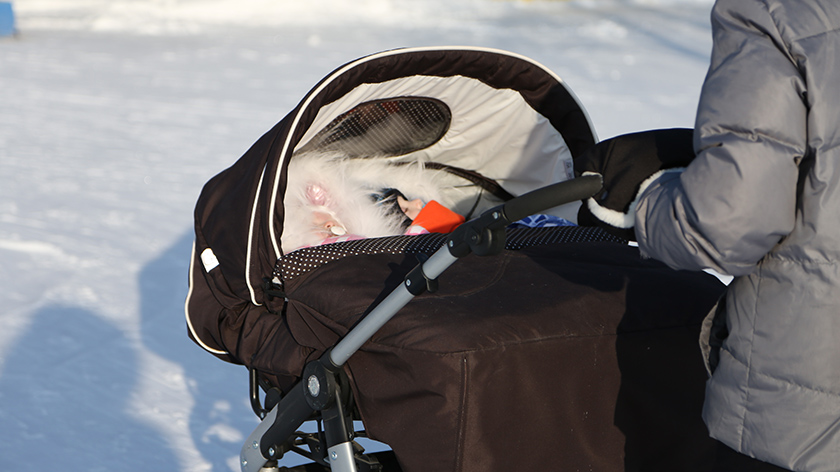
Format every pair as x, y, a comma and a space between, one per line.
65, 399
220, 418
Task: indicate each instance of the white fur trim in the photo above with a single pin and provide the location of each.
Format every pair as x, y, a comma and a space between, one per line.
349, 184
611, 217
620, 219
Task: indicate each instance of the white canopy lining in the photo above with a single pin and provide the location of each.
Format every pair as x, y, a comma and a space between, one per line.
494, 132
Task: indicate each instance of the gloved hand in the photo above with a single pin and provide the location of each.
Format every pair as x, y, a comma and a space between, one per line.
628, 164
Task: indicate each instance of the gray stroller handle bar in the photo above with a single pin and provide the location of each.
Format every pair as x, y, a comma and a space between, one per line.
484, 235
553, 195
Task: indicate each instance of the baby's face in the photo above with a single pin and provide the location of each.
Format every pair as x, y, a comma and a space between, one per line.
411, 208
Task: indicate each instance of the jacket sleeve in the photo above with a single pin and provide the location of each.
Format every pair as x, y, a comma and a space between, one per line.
737, 199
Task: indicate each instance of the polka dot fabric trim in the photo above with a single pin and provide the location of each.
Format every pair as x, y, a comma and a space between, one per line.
519, 238
301, 261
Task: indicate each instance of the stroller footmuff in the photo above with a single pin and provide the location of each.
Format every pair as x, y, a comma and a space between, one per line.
563, 351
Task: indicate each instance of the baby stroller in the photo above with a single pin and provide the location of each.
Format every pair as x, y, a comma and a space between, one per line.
564, 351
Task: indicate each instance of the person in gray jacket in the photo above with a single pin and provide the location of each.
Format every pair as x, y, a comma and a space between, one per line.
761, 201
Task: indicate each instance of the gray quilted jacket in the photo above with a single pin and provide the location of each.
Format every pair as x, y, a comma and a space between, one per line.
762, 202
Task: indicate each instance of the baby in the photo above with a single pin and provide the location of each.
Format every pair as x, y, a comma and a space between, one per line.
415, 217
330, 197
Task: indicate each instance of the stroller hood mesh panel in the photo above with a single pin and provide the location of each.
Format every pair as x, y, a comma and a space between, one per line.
384, 128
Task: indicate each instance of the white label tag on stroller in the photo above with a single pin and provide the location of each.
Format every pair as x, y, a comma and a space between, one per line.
209, 259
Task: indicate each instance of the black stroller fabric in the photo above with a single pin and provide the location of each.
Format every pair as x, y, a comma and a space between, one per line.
575, 354
566, 352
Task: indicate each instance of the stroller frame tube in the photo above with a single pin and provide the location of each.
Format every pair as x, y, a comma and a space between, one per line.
341, 457
482, 236
393, 303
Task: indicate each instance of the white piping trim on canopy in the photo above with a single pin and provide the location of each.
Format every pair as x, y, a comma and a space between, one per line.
327, 81
251, 241
187, 311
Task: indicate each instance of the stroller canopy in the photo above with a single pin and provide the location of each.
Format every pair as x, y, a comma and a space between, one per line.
497, 124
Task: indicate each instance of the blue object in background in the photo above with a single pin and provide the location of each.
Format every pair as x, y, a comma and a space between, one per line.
7, 19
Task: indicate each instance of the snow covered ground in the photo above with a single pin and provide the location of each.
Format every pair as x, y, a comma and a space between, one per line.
113, 114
